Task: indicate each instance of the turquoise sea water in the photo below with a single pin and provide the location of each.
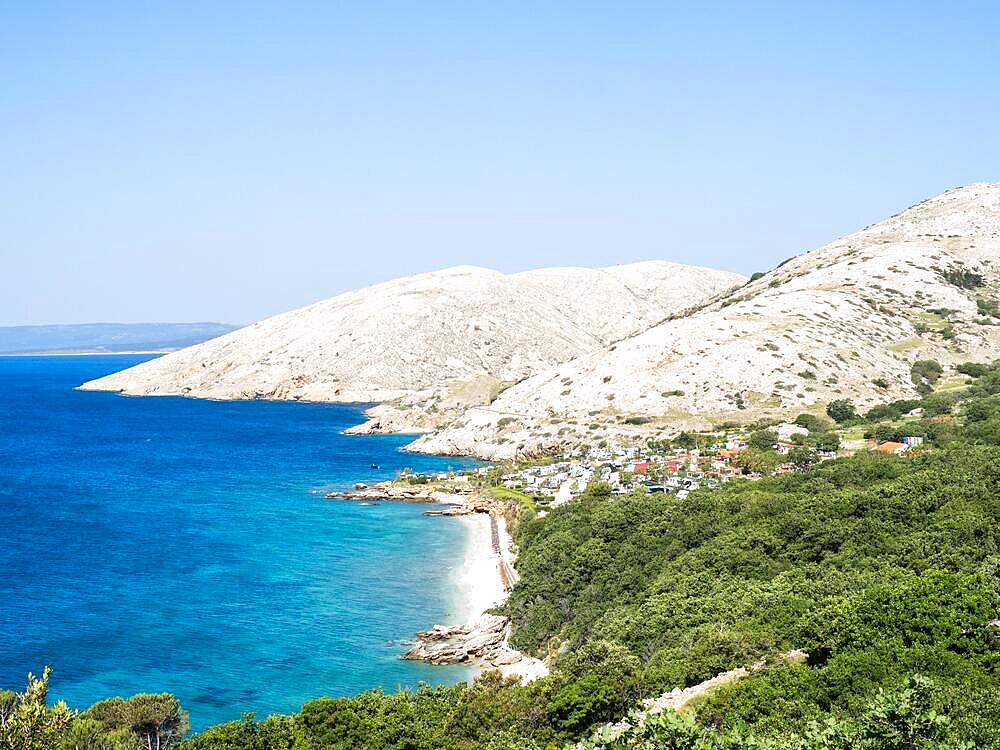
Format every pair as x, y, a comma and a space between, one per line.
169, 544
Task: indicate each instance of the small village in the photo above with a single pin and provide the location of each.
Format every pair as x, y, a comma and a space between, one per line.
687, 463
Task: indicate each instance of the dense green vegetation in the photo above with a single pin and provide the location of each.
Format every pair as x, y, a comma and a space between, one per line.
142, 722
884, 569
681, 590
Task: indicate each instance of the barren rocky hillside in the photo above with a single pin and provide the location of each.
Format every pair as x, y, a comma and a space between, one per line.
846, 320
428, 344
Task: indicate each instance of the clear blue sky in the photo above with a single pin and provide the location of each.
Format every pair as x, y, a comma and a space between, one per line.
176, 162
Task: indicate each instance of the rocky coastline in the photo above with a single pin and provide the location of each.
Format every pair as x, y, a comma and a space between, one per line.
400, 492
484, 642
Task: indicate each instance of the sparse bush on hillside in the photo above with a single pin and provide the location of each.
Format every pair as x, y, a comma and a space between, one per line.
988, 307
637, 420
925, 373
962, 277
976, 369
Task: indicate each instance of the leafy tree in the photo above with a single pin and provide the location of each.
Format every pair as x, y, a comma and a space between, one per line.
937, 403
156, 718
802, 457
686, 440
88, 734
840, 411
981, 409
274, 733
762, 439
886, 432
882, 412
27, 722
826, 441
812, 423
582, 702
598, 489
973, 369
758, 461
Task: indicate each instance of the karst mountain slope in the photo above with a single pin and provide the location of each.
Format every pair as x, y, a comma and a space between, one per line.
428, 344
844, 321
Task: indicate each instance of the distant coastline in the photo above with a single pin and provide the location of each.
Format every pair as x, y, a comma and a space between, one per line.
86, 353
106, 338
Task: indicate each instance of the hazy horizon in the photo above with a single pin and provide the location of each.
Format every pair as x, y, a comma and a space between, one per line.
233, 162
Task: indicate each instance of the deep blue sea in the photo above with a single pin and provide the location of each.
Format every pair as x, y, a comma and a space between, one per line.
170, 544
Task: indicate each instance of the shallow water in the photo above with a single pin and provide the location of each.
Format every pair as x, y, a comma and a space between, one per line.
170, 544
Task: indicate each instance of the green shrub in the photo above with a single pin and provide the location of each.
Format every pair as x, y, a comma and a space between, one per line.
841, 410
925, 373
963, 278
812, 423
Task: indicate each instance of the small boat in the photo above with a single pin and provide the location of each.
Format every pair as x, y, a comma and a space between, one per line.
374, 466
368, 504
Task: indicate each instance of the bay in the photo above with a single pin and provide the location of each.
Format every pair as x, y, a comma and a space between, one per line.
171, 544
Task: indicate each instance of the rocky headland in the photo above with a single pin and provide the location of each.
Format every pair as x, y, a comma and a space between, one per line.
475, 362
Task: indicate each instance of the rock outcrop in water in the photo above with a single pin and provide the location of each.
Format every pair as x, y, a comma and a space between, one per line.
483, 642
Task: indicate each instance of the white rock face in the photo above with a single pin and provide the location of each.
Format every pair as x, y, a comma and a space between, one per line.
844, 321
431, 343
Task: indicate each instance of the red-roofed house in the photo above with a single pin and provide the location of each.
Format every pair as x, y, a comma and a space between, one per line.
892, 447
642, 467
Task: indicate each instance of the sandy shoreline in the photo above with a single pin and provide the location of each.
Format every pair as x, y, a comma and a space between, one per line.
477, 580
482, 579
480, 586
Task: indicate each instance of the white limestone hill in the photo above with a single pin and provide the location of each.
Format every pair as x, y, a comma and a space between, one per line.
428, 344
844, 321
